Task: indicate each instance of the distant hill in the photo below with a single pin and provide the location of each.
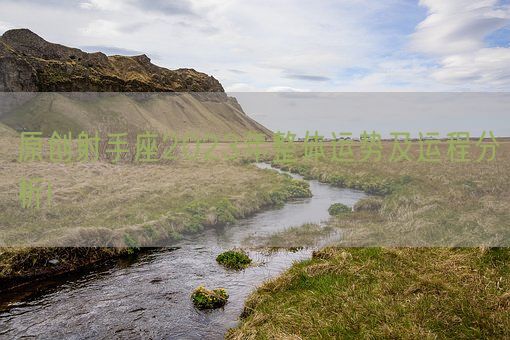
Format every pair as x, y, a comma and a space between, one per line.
28, 63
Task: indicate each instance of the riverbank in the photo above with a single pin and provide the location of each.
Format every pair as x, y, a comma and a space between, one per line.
385, 293
19, 265
151, 295
447, 287
102, 211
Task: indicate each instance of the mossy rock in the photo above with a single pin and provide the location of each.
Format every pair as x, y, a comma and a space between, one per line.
204, 298
234, 259
338, 208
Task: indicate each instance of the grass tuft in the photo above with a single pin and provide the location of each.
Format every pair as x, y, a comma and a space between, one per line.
234, 259
338, 208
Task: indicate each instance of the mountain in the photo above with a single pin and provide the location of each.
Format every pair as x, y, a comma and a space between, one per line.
28, 63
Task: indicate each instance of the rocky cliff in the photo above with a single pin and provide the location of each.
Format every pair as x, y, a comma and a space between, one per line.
30, 63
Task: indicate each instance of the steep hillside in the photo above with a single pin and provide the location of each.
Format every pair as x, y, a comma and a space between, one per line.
167, 113
6, 131
28, 63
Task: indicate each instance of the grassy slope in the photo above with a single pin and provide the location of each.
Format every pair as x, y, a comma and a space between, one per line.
164, 113
400, 292
6, 131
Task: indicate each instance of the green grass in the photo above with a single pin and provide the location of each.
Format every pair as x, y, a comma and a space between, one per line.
385, 293
234, 259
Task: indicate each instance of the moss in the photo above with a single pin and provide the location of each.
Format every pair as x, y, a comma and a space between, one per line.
197, 209
338, 208
204, 298
234, 259
292, 188
196, 213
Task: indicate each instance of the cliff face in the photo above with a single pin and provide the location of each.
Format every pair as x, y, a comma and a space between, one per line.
28, 63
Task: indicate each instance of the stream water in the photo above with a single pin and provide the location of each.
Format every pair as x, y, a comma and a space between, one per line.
151, 297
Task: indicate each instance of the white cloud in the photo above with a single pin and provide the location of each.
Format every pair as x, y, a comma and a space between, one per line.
454, 32
4, 26
240, 87
108, 5
101, 28
286, 89
487, 67
270, 41
402, 75
458, 26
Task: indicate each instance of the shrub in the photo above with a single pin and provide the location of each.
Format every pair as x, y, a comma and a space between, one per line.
368, 204
234, 259
299, 189
338, 208
337, 180
204, 298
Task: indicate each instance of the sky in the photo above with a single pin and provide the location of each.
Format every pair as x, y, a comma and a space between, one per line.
298, 45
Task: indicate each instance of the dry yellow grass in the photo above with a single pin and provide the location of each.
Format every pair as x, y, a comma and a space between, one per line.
99, 204
426, 204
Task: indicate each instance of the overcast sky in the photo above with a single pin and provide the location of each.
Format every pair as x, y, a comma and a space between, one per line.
267, 45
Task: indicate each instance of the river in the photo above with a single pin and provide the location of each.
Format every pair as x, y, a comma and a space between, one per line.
150, 298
